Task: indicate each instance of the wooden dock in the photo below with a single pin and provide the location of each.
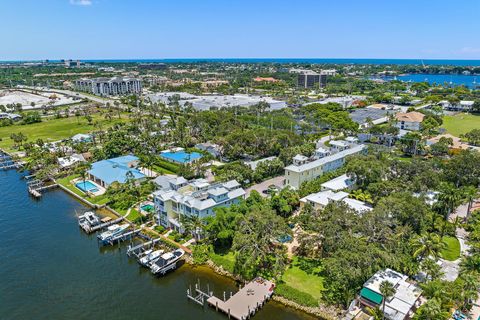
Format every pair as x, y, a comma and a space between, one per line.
241, 305
35, 190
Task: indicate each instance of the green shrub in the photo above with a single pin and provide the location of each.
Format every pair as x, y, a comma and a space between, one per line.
294, 295
167, 165
160, 229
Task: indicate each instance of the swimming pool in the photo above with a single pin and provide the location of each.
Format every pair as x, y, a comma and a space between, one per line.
147, 207
181, 156
86, 186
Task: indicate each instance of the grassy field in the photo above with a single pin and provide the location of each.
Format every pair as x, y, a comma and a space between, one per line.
461, 123
452, 252
53, 129
298, 279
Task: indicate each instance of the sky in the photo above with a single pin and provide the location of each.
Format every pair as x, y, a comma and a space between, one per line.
158, 29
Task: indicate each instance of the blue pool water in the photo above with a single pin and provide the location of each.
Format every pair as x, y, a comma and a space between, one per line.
86, 186
181, 156
147, 207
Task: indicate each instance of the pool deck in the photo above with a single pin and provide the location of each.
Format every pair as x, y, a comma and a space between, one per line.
246, 301
100, 189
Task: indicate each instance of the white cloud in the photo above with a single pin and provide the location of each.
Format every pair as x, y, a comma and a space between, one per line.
81, 2
469, 50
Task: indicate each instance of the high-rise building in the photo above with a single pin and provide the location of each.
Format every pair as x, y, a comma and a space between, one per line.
311, 80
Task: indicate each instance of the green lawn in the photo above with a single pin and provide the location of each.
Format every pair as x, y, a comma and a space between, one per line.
461, 123
53, 129
227, 261
298, 279
133, 215
452, 252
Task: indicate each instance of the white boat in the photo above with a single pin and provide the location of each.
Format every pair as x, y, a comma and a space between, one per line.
112, 231
150, 258
168, 261
91, 218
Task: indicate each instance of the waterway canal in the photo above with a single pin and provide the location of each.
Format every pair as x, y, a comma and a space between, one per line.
49, 269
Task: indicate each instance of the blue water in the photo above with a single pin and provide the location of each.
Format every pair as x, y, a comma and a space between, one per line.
86, 186
181, 156
470, 81
50, 269
290, 60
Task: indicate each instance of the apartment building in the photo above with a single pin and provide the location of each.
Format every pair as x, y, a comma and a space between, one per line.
110, 86
306, 169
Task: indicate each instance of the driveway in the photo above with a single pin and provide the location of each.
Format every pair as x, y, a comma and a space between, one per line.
262, 186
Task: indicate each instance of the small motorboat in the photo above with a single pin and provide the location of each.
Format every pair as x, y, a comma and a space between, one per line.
166, 262
150, 258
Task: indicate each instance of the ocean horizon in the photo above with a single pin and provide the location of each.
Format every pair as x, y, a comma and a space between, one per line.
451, 62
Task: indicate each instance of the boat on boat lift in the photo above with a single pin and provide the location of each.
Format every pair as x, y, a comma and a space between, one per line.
112, 231
90, 218
150, 258
166, 262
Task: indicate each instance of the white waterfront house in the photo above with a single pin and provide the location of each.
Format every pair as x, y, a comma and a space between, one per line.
179, 198
303, 169
110, 86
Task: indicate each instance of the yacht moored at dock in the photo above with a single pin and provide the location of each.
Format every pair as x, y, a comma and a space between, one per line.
168, 261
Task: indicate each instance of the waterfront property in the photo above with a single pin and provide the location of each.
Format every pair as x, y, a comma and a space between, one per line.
110, 87
304, 169
179, 155
106, 172
400, 306
68, 161
179, 198
88, 187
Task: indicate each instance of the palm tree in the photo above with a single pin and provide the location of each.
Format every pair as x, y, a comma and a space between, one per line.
449, 198
387, 290
470, 193
428, 244
194, 225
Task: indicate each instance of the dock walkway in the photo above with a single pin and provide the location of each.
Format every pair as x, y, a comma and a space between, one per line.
246, 301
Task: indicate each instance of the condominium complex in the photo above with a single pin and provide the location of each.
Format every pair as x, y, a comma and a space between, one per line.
110, 87
311, 80
179, 198
306, 169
